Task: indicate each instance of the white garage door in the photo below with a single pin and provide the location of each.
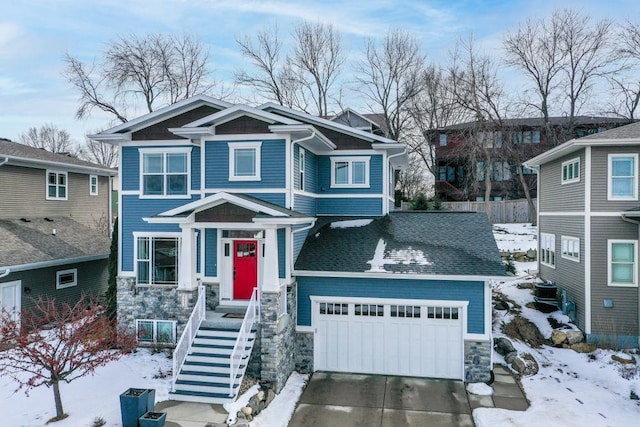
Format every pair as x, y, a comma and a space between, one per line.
413, 338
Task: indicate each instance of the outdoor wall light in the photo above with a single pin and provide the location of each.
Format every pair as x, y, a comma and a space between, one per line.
27, 290
608, 303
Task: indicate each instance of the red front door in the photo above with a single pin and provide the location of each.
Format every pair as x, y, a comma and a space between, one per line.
245, 268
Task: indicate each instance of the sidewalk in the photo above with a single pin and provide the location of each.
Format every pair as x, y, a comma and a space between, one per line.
507, 394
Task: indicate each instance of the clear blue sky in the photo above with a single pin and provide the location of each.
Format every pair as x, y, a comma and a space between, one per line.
35, 34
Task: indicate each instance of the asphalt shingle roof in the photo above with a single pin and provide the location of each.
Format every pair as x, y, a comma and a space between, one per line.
33, 241
435, 243
539, 122
14, 149
631, 131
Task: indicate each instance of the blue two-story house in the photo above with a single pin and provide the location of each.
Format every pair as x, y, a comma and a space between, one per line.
286, 222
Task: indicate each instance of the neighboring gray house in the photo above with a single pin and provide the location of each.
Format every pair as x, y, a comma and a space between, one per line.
54, 222
588, 216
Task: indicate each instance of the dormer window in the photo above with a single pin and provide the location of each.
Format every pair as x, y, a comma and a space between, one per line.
244, 161
350, 172
165, 172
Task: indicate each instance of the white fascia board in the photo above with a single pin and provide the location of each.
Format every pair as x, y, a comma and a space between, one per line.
328, 123
113, 139
167, 220
54, 263
288, 129
211, 200
239, 111
576, 144
287, 221
168, 111
192, 133
68, 167
394, 276
389, 146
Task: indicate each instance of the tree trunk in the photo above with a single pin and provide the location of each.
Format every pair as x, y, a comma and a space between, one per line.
527, 193
58, 400
487, 190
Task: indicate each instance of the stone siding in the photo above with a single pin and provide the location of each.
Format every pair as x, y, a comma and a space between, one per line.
254, 368
213, 295
477, 361
277, 338
304, 351
153, 302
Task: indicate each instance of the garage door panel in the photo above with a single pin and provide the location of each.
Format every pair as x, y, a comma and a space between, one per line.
401, 340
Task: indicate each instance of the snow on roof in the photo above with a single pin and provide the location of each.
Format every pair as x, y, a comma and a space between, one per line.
351, 223
407, 256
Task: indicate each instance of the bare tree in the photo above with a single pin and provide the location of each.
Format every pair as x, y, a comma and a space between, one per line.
155, 69
390, 78
78, 340
625, 82
317, 54
101, 153
534, 47
273, 77
584, 46
51, 138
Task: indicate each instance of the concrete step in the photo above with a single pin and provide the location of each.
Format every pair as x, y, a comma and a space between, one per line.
234, 309
205, 387
206, 376
216, 398
218, 368
208, 358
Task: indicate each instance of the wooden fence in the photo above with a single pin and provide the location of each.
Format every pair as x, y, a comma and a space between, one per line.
503, 211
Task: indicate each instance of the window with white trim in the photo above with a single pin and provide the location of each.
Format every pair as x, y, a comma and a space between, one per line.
156, 331
165, 172
339, 309
157, 260
570, 248
66, 278
548, 249
571, 171
623, 177
93, 185
57, 185
244, 161
301, 166
350, 172
623, 261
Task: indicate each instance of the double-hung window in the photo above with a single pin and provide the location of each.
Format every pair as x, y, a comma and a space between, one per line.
623, 262
623, 177
93, 185
548, 249
570, 248
571, 171
350, 172
301, 166
157, 260
165, 172
244, 161
56, 185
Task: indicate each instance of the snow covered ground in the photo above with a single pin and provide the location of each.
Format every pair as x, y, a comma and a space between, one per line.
571, 389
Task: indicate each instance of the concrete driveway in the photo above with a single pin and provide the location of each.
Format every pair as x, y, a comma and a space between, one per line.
333, 399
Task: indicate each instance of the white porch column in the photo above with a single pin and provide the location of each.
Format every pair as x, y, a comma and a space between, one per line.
187, 260
270, 279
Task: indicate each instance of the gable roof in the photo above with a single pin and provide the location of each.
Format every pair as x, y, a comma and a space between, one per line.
33, 242
367, 136
159, 115
628, 135
405, 243
20, 154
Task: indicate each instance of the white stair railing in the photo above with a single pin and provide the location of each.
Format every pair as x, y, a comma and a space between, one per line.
240, 349
189, 333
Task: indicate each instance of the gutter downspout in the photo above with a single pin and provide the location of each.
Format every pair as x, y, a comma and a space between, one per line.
403, 152
7, 271
6, 159
293, 143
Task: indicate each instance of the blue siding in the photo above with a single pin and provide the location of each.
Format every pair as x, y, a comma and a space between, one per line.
272, 165
390, 288
275, 198
304, 204
349, 206
375, 177
298, 241
310, 170
130, 170
133, 210
195, 168
282, 253
211, 252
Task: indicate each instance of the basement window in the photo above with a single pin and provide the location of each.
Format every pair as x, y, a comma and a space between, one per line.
156, 331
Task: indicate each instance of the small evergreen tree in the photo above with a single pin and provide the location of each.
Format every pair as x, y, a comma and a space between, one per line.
111, 296
420, 203
436, 203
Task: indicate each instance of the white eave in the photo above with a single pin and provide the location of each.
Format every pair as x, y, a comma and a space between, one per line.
316, 140
576, 144
48, 164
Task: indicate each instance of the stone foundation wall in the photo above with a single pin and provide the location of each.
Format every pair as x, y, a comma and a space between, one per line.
477, 361
277, 338
153, 302
213, 295
304, 351
254, 368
